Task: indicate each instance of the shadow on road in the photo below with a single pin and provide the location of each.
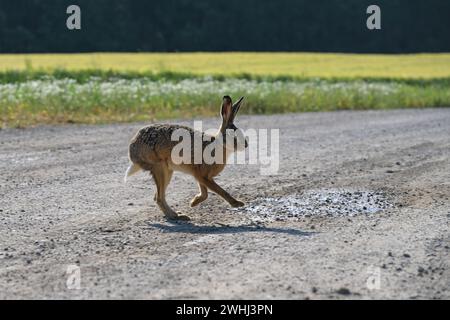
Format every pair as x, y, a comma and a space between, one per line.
187, 227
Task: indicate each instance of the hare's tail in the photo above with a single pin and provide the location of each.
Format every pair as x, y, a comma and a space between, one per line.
132, 169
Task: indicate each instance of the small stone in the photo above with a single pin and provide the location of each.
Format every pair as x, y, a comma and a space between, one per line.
343, 291
406, 255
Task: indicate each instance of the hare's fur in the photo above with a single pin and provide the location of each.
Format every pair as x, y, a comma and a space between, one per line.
151, 149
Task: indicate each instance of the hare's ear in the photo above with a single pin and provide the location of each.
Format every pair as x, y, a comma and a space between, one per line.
235, 108
226, 110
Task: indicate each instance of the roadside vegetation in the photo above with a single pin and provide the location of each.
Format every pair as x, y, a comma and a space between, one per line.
34, 90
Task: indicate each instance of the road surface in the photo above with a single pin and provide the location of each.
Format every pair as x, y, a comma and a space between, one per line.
63, 205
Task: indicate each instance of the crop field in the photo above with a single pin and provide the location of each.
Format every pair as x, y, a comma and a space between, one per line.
113, 87
323, 65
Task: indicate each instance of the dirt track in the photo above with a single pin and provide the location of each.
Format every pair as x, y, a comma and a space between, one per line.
63, 202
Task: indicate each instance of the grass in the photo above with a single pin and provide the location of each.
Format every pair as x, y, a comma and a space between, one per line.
99, 88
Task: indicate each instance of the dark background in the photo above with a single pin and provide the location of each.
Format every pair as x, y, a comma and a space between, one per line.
225, 25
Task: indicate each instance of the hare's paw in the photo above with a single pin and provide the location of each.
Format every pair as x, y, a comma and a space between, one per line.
176, 216
180, 217
183, 217
197, 200
237, 204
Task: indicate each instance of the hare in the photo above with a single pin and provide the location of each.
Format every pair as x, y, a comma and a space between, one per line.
151, 150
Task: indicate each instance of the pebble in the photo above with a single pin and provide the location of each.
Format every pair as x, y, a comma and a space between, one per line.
343, 291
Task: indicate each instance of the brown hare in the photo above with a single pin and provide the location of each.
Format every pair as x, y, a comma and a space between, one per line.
151, 150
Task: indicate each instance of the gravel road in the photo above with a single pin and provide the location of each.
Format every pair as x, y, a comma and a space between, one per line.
359, 209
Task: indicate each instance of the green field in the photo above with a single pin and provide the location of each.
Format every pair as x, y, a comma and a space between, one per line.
96, 88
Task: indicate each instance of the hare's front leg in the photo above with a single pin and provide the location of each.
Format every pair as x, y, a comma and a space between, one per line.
213, 186
202, 196
162, 175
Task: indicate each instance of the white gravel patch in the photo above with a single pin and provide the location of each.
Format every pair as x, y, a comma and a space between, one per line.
326, 203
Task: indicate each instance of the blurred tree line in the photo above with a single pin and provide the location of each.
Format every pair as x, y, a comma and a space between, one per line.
225, 25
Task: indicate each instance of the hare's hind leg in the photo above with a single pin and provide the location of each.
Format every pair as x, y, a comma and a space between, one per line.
202, 196
162, 175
